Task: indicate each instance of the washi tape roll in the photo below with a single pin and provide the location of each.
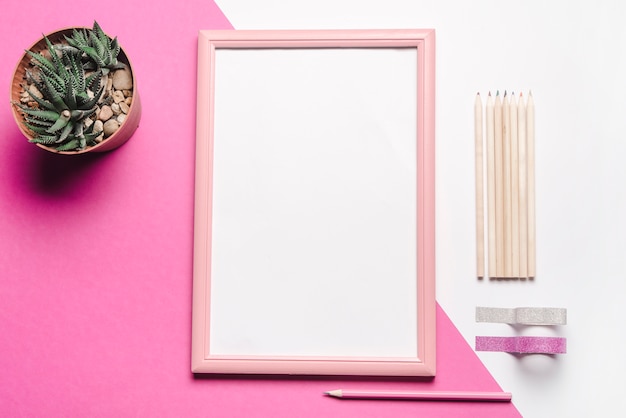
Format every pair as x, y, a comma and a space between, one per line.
523, 345
525, 316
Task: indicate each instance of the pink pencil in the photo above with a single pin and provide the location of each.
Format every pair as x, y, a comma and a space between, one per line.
421, 396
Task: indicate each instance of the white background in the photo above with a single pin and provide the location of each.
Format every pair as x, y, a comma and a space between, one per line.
313, 214
571, 54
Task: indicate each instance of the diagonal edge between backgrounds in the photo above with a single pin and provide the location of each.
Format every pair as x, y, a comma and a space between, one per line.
457, 361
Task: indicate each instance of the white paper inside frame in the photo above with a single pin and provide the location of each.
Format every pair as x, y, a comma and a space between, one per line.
314, 203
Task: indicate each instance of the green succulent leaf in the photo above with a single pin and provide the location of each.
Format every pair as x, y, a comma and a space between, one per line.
43, 103
68, 49
91, 136
67, 130
61, 122
44, 139
41, 61
39, 122
97, 43
78, 134
81, 97
54, 95
40, 130
70, 94
93, 81
77, 73
97, 29
56, 60
52, 83
49, 115
78, 39
70, 145
103, 37
91, 103
115, 48
93, 54
77, 115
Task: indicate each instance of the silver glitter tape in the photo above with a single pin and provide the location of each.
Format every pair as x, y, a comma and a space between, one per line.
526, 316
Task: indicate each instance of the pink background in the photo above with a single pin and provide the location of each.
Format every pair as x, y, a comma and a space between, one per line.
96, 255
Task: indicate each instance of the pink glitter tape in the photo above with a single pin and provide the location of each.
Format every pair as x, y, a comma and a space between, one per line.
537, 345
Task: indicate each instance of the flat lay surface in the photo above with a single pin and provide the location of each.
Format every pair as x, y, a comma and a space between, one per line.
96, 252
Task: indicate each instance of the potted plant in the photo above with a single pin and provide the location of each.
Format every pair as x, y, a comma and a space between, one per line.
74, 91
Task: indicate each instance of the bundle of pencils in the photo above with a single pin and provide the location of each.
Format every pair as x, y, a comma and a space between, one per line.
505, 148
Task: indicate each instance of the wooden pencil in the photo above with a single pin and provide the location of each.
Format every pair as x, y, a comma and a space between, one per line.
514, 190
421, 395
530, 158
506, 168
480, 211
523, 191
491, 187
498, 147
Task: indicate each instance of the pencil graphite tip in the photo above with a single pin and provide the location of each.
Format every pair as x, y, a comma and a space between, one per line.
497, 92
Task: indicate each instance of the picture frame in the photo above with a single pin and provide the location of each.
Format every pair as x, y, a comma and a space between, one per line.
314, 226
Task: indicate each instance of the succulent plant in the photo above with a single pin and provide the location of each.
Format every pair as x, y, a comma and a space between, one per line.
100, 50
68, 98
66, 88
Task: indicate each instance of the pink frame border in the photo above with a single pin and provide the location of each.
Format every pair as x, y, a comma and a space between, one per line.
423, 364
